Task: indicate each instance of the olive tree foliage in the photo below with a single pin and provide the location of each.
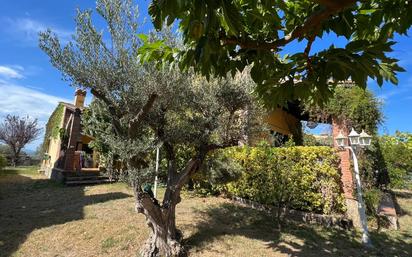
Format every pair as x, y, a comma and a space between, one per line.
229, 35
97, 123
16, 132
139, 106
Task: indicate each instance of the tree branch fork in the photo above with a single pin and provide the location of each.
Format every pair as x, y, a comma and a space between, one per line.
312, 23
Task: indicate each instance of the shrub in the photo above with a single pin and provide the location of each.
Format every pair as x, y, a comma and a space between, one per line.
3, 162
397, 154
304, 178
218, 170
372, 198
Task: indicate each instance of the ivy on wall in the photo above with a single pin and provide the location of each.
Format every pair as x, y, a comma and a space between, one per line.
53, 126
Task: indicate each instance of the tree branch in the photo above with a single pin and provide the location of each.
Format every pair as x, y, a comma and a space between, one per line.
146, 206
212, 147
171, 173
311, 23
134, 123
307, 51
112, 110
194, 164
335, 4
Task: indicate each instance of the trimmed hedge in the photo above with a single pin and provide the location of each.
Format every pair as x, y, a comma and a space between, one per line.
303, 178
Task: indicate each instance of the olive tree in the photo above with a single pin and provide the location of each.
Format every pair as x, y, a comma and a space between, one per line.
140, 106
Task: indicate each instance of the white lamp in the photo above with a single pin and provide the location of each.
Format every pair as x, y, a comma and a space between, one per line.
340, 139
353, 137
364, 138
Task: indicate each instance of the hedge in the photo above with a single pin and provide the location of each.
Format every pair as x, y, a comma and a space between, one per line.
304, 177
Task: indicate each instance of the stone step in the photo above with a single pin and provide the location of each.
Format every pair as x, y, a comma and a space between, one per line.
87, 182
95, 177
67, 174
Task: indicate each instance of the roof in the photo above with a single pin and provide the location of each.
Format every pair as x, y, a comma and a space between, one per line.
71, 107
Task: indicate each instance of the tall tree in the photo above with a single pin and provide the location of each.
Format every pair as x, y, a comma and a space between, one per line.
141, 106
17, 132
280, 41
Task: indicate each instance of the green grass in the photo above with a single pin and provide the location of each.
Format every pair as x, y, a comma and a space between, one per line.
40, 218
108, 243
20, 170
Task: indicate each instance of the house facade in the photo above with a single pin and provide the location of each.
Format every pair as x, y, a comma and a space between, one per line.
66, 147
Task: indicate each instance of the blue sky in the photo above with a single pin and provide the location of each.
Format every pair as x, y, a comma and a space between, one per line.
29, 85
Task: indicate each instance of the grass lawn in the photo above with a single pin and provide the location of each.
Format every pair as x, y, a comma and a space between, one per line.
42, 218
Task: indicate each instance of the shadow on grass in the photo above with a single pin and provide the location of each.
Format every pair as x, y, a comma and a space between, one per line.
29, 204
294, 240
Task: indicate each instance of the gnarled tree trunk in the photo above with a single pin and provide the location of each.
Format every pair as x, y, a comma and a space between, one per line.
165, 238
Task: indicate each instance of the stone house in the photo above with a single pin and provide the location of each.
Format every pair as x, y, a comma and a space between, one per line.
66, 146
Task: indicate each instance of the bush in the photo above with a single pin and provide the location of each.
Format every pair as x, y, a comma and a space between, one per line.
219, 169
372, 198
303, 178
397, 154
3, 162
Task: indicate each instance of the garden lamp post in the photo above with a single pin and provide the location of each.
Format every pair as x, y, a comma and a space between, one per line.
355, 140
156, 171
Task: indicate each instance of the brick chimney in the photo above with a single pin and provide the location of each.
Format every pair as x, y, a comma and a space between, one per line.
79, 97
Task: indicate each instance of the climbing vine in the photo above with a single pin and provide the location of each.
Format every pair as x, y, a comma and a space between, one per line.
53, 126
354, 106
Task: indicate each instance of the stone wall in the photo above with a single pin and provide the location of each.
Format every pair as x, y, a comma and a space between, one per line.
387, 212
335, 221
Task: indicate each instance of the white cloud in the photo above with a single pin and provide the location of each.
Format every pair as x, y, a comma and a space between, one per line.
385, 96
404, 57
27, 30
26, 101
404, 88
10, 72
22, 101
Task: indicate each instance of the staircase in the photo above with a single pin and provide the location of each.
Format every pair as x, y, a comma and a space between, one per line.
85, 178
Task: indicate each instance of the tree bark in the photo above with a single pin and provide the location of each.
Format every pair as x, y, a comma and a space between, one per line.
165, 238
15, 157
